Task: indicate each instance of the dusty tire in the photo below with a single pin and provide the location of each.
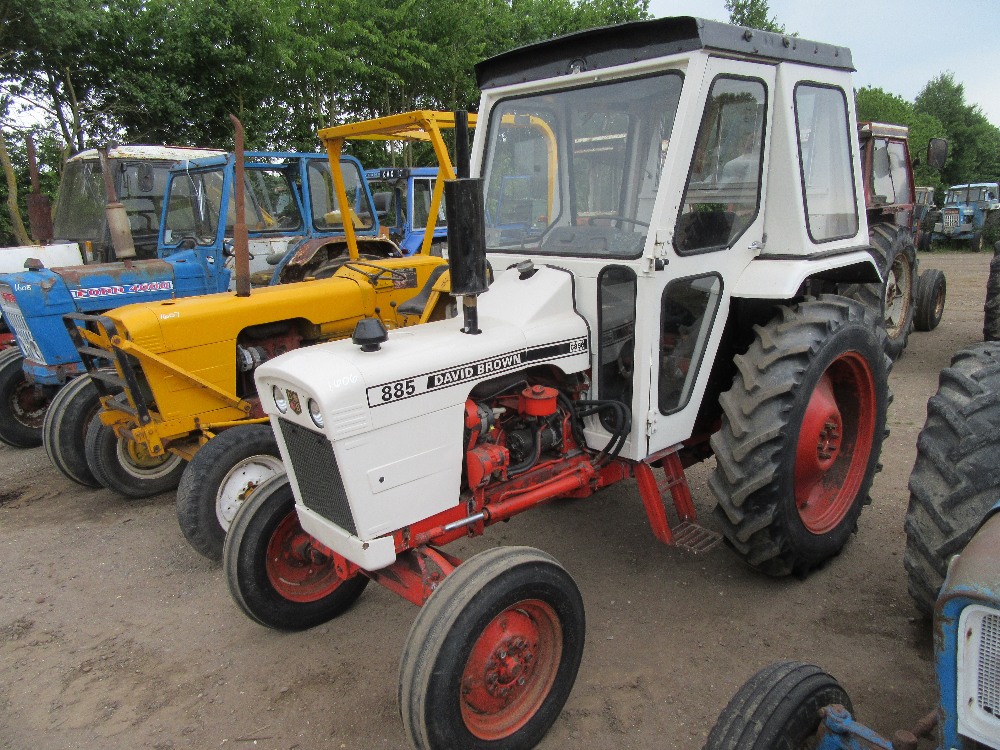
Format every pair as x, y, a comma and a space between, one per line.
22, 405
956, 477
222, 474
777, 709
801, 433
64, 431
991, 311
124, 466
277, 581
930, 298
456, 690
893, 251
976, 244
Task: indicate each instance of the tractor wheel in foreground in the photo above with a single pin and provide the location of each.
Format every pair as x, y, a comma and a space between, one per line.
896, 258
777, 709
126, 466
493, 653
956, 477
64, 431
22, 405
276, 574
991, 317
220, 477
801, 434
929, 300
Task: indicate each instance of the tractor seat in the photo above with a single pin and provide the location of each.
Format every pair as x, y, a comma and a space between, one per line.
415, 305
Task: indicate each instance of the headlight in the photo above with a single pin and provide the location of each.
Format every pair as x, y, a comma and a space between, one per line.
315, 414
279, 399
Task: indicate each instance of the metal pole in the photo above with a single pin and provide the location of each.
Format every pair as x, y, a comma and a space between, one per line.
241, 238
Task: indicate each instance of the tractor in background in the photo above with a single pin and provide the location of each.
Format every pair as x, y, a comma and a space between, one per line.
402, 197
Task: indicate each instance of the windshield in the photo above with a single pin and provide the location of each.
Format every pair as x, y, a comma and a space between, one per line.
325, 208
79, 214
575, 172
423, 192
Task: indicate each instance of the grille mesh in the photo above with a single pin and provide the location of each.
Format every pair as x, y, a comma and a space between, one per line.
15, 320
318, 475
988, 673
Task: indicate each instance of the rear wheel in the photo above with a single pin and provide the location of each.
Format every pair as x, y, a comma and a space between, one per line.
802, 430
956, 477
930, 298
493, 654
777, 709
991, 317
220, 477
64, 431
976, 244
126, 466
22, 404
276, 572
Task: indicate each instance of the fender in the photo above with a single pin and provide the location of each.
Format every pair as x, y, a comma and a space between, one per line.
782, 278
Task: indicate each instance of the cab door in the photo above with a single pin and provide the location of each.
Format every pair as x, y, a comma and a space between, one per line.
707, 237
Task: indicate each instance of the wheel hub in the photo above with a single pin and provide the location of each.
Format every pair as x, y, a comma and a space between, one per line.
297, 569
28, 405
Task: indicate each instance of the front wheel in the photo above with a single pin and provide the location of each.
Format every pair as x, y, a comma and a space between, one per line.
126, 466
930, 298
801, 433
276, 573
777, 709
217, 481
22, 404
493, 654
64, 431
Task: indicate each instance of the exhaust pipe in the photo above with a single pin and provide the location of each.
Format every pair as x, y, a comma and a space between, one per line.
465, 211
118, 226
241, 238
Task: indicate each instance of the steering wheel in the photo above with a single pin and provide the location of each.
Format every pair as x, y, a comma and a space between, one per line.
380, 271
616, 217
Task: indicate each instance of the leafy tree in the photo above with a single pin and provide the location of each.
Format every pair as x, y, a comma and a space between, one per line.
754, 14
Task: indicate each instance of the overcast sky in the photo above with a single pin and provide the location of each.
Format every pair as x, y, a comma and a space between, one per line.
905, 44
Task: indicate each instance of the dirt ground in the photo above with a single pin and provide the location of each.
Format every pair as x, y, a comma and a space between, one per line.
115, 634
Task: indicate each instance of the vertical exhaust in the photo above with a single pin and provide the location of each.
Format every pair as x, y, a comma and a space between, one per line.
464, 208
118, 226
241, 238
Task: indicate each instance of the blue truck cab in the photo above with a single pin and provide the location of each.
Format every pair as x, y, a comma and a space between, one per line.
291, 213
403, 198
967, 210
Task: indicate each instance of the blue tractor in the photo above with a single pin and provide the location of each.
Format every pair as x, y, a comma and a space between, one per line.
953, 486
292, 218
969, 212
403, 198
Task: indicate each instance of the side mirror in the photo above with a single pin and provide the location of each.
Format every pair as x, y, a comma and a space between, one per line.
937, 152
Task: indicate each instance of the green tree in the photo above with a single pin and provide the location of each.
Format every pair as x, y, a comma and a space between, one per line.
755, 14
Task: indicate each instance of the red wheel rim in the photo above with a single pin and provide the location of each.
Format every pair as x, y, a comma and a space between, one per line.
835, 443
511, 669
297, 569
28, 405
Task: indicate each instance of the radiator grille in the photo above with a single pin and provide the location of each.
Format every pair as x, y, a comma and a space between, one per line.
318, 475
15, 320
988, 671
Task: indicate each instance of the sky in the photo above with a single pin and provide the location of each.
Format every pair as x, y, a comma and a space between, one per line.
901, 48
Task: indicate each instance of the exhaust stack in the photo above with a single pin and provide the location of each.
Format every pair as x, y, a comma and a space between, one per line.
118, 225
241, 237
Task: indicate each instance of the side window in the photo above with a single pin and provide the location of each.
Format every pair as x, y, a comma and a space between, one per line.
825, 162
723, 190
686, 313
616, 297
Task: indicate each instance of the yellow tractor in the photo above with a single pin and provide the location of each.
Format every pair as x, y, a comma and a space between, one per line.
180, 404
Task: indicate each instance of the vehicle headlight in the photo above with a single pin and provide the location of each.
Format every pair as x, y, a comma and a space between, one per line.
315, 414
279, 399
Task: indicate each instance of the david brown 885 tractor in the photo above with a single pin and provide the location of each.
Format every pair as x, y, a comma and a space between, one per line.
691, 183
181, 407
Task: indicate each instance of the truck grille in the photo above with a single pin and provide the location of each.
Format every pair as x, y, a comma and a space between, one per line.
17, 324
988, 672
950, 219
318, 475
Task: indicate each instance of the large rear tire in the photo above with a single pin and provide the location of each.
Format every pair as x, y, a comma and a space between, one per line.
22, 404
956, 477
126, 467
991, 316
493, 654
64, 431
218, 480
777, 709
930, 299
892, 248
801, 433
275, 574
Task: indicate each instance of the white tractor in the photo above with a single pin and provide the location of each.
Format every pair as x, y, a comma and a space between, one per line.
668, 209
